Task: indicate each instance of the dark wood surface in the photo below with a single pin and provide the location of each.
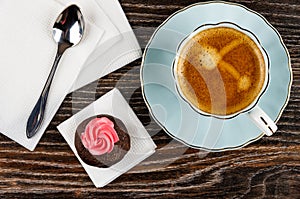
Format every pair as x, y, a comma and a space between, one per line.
268, 168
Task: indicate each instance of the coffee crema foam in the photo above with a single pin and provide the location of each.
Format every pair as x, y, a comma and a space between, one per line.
220, 70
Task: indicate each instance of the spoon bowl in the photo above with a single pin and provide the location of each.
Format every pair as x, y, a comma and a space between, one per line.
68, 30
69, 26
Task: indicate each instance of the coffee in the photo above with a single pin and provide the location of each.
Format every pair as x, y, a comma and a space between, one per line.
220, 70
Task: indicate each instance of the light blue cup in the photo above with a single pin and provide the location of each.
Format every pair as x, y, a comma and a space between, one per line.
174, 114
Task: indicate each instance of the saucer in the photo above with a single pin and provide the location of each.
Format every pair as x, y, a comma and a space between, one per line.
174, 114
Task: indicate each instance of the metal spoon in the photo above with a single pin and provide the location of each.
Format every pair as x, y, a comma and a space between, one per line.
67, 32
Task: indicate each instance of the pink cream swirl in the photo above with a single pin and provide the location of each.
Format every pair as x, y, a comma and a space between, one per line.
99, 136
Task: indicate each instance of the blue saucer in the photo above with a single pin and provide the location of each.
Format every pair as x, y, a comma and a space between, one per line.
174, 115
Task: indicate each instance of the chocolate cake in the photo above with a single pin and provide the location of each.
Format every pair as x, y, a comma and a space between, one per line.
102, 141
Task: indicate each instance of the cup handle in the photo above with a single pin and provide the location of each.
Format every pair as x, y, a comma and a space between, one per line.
263, 121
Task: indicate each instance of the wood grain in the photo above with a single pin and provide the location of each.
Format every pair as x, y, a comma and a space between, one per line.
268, 168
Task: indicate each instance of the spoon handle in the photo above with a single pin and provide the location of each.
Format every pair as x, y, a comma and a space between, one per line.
37, 115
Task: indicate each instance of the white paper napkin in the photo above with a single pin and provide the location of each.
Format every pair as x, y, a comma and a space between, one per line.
27, 53
115, 51
142, 145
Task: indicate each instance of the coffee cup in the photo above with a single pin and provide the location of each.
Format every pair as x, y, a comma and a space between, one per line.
221, 70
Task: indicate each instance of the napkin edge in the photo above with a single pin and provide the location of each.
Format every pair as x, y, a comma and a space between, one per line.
138, 161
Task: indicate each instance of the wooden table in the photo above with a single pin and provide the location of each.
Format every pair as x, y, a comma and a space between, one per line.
268, 168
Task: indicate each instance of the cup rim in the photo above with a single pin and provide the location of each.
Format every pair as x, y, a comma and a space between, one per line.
254, 38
